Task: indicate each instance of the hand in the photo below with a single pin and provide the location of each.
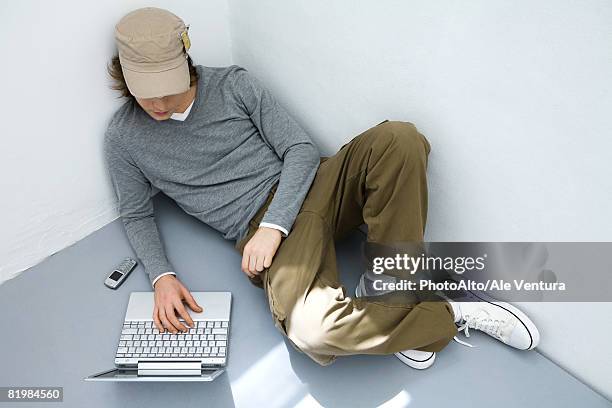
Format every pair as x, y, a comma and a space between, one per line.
169, 295
259, 251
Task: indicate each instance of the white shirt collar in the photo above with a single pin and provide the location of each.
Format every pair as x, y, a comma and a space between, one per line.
182, 116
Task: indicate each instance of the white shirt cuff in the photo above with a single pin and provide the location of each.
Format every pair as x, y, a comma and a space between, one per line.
274, 226
159, 276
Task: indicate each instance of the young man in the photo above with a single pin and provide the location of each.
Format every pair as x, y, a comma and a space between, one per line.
218, 143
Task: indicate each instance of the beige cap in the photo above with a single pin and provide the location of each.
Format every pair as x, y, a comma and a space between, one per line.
152, 45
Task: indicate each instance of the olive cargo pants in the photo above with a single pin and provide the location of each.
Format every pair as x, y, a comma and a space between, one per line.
378, 178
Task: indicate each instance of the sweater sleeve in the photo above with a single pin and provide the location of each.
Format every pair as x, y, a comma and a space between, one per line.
289, 141
134, 192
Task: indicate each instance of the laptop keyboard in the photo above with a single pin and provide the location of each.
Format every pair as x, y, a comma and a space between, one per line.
207, 341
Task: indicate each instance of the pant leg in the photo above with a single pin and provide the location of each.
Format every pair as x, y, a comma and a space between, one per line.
313, 310
379, 178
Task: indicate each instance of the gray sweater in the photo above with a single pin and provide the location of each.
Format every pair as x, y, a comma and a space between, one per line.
219, 164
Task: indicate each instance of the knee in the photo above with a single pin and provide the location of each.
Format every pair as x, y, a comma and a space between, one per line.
313, 341
308, 331
404, 138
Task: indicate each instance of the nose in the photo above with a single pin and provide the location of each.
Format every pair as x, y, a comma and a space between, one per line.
159, 105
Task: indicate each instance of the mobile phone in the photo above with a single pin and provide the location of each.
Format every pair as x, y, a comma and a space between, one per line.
120, 273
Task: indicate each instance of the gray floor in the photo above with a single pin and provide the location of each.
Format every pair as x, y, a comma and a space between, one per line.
60, 324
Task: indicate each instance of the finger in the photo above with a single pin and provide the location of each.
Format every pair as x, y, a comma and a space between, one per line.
156, 320
245, 261
245, 265
168, 322
164, 320
267, 261
173, 319
252, 263
259, 265
191, 301
184, 314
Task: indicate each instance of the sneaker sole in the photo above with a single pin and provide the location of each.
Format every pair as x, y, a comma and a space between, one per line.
416, 364
532, 330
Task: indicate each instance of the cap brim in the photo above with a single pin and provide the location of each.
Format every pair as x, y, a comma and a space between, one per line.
157, 84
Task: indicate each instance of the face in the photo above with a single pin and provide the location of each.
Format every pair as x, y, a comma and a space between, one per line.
161, 108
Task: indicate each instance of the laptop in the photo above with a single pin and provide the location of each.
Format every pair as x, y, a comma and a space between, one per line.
144, 354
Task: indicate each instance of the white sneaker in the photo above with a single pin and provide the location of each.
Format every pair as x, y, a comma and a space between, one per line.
498, 319
416, 359
419, 360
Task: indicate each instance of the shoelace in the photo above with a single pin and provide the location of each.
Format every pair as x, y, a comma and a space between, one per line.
482, 323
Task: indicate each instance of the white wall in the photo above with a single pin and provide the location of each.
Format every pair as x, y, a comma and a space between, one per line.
513, 96
55, 105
